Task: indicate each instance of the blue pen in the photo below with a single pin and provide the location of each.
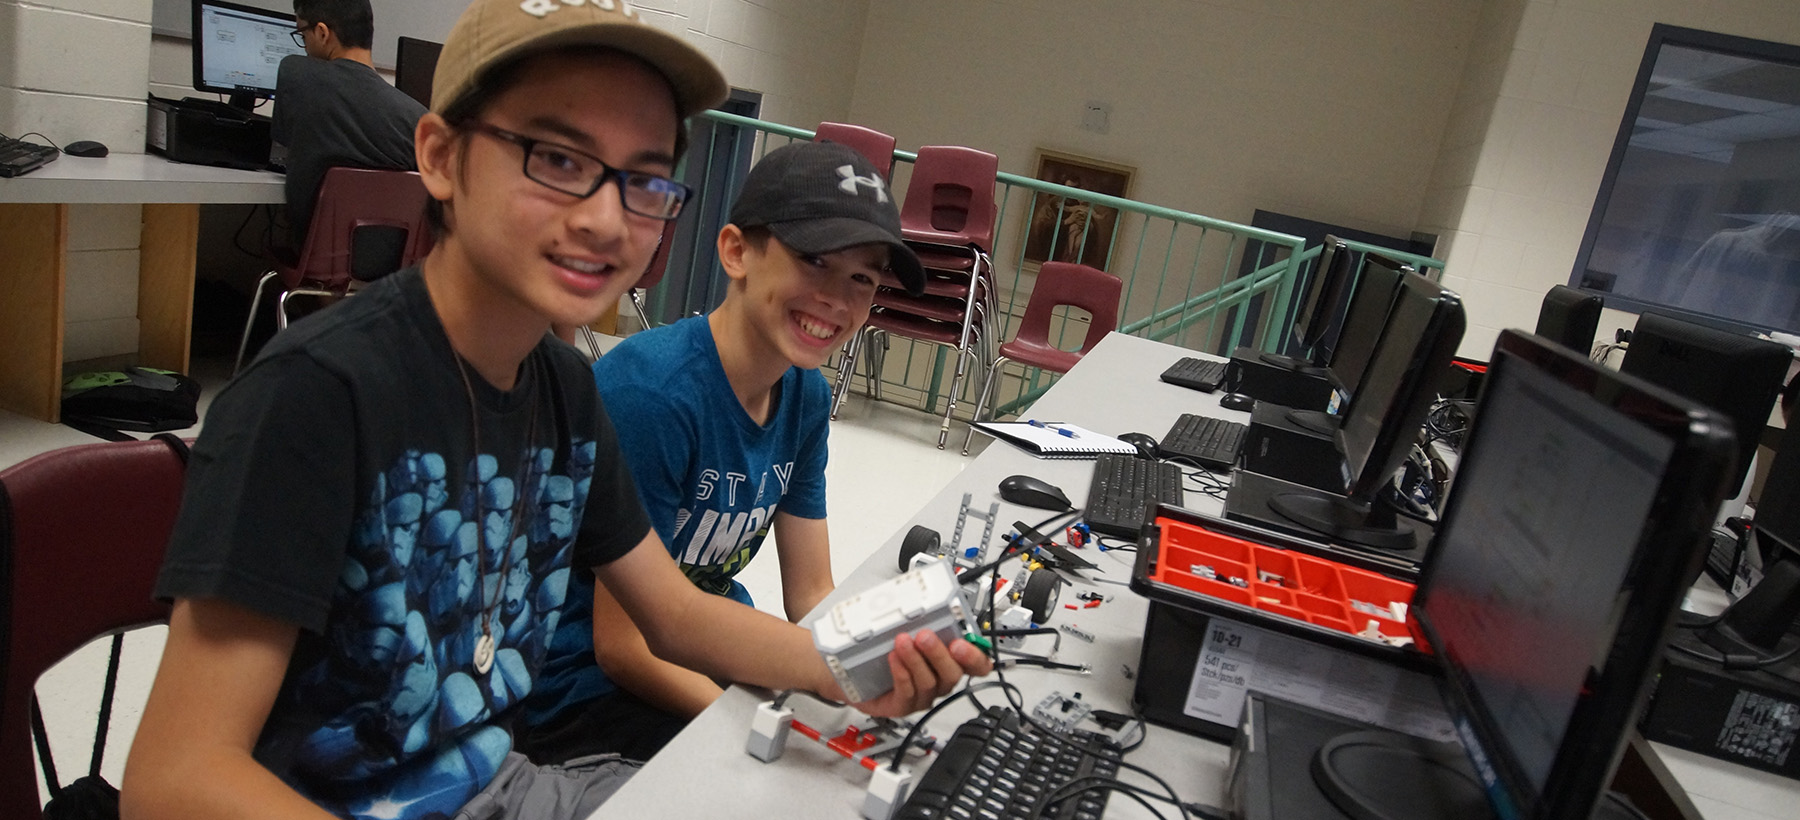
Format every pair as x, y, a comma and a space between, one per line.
1065, 431
1036, 423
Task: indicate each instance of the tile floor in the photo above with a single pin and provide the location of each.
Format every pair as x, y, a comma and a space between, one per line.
864, 512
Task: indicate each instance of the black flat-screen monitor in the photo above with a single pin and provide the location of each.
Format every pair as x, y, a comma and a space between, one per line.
238, 49
1319, 304
1698, 212
1736, 374
1549, 592
1370, 300
415, 62
1411, 361
1569, 317
1324, 296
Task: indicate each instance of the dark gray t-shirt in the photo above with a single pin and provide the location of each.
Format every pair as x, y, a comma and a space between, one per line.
337, 112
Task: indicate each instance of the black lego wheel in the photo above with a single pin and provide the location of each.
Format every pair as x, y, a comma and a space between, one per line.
1041, 592
920, 540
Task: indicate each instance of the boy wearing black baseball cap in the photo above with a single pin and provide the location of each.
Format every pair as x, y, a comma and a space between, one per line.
383, 511
723, 420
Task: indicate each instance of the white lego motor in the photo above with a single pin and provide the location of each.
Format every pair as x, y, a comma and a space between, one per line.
856, 636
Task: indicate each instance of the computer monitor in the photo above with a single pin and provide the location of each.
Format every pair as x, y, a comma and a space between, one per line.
1582, 503
1319, 305
415, 62
1569, 317
1736, 374
1411, 361
238, 49
1370, 300
1331, 281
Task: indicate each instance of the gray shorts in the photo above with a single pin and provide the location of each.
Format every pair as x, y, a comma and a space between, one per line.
522, 790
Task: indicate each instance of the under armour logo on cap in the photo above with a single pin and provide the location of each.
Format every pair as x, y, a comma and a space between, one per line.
850, 182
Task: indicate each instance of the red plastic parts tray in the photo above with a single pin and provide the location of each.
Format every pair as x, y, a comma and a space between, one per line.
1282, 582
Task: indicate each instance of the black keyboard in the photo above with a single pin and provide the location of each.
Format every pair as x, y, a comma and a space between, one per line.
1212, 443
19, 157
998, 768
1124, 491
1204, 375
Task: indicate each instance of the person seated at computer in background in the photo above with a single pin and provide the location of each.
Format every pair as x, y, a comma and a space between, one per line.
383, 511
722, 419
332, 109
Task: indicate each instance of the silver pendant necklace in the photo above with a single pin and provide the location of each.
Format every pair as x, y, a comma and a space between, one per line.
484, 645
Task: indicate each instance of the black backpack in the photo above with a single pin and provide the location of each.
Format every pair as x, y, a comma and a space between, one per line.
140, 399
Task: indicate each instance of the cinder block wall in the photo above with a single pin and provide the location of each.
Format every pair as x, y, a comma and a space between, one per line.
77, 70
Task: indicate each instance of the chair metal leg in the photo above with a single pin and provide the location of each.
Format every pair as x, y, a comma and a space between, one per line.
587, 335
877, 358
250, 322
981, 399
846, 368
637, 301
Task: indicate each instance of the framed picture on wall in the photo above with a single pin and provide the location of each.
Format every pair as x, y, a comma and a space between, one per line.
1069, 229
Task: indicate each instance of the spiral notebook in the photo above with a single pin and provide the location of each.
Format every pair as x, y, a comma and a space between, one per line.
1054, 439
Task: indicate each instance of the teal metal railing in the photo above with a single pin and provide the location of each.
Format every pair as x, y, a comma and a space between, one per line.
1190, 280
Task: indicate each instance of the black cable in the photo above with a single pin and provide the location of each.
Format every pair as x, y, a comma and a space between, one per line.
237, 236
1736, 662
1143, 733
1013, 549
39, 135
1094, 782
1173, 797
966, 692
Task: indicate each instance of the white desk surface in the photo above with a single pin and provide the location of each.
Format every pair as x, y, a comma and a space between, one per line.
705, 772
139, 178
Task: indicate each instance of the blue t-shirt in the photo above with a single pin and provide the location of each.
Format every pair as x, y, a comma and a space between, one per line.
710, 477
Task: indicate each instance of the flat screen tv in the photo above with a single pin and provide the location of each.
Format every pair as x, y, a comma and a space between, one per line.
1699, 210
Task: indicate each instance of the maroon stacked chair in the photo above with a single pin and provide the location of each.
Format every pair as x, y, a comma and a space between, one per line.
878, 147
948, 219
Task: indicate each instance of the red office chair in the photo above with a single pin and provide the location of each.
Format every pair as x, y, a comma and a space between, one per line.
366, 224
1059, 284
659, 265
878, 147
948, 220
82, 535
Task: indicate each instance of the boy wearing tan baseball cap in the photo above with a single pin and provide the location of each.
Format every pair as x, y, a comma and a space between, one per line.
383, 510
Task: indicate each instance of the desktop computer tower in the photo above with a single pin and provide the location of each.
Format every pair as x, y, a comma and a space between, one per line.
1750, 717
1275, 445
1250, 375
208, 132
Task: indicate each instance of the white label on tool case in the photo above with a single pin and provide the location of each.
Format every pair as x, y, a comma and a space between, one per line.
1235, 659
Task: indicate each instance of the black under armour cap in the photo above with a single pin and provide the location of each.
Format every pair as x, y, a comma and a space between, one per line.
820, 197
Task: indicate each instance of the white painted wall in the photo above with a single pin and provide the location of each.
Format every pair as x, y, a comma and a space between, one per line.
1535, 120
1486, 122
1324, 109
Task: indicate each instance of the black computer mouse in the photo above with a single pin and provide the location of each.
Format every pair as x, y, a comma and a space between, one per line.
1034, 492
1144, 442
1236, 401
85, 148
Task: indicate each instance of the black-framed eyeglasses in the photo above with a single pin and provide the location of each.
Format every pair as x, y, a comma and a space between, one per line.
578, 173
299, 34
